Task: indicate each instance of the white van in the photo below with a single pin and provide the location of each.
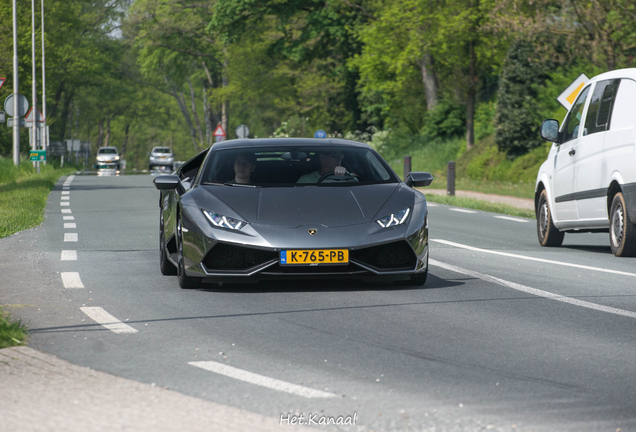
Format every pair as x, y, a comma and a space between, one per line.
588, 182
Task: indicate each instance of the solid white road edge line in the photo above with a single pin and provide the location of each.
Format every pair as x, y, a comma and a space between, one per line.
71, 280
261, 380
512, 219
462, 210
70, 225
102, 317
533, 291
69, 255
604, 270
70, 237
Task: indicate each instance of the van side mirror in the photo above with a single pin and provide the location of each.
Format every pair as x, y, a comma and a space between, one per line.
550, 130
419, 179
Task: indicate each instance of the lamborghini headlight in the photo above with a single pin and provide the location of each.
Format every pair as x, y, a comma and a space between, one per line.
221, 221
395, 219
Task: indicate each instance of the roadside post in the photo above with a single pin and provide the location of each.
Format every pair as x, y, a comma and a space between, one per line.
450, 178
407, 166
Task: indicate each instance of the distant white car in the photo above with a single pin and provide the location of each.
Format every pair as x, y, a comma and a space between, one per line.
161, 157
588, 182
108, 158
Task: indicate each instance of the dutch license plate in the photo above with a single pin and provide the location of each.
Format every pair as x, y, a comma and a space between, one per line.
314, 256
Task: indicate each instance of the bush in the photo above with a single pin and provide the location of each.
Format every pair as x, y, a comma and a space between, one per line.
518, 117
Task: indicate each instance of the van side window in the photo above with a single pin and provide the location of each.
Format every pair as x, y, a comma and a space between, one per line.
624, 110
571, 126
601, 104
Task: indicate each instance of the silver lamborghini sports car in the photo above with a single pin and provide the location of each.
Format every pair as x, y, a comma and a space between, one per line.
281, 208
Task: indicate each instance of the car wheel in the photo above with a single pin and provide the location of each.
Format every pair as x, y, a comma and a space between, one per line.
547, 233
166, 267
621, 232
185, 281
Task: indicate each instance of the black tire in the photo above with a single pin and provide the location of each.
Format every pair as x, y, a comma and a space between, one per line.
547, 233
622, 232
185, 281
166, 267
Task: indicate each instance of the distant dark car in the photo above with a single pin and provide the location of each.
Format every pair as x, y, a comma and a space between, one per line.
161, 157
364, 224
108, 158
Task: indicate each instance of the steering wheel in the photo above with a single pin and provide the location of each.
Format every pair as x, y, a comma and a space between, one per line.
346, 176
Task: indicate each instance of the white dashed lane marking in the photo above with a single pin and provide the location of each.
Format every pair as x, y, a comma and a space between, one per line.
70, 237
65, 198
461, 210
66, 211
512, 219
70, 225
533, 291
69, 255
102, 317
541, 260
66, 192
68, 217
65, 204
71, 280
261, 380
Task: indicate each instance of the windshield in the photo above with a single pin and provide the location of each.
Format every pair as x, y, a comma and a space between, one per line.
162, 150
107, 151
303, 166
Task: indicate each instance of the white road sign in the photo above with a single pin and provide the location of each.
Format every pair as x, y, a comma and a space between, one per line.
23, 105
242, 131
568, 97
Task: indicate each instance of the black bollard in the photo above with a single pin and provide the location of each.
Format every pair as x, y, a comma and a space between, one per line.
407, 166
450, 178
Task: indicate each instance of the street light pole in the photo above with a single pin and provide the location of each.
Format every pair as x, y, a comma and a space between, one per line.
16, 116
34, 136
45, 135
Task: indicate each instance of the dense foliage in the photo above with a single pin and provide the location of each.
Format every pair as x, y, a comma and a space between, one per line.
402, 74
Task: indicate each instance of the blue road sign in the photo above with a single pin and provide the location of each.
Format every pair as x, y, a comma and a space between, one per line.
320, 134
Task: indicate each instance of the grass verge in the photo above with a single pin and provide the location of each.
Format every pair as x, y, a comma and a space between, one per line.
476, 204
11, 333
23, 194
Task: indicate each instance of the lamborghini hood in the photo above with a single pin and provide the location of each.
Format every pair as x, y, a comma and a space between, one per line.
306, 205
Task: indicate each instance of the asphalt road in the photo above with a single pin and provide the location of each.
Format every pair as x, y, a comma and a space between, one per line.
505, 335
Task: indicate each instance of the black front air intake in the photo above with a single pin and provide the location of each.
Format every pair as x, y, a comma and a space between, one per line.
396, 255
230, 257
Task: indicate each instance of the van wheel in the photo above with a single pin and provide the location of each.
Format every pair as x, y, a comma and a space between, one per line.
621, 231
547, 233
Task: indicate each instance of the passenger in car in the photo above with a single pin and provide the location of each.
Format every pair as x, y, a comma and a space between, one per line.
244, 166
328, 162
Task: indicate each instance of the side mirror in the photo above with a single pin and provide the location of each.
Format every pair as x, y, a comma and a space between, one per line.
550, 130
419, 179
169, 182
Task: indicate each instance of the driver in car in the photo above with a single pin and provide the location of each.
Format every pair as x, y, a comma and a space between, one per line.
329, 162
